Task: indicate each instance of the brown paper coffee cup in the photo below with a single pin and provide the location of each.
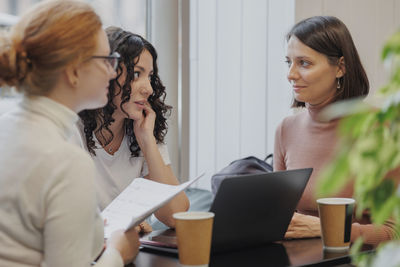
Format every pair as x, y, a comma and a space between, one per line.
194, 232
336, 215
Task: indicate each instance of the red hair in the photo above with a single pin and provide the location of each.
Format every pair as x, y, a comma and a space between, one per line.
50, 37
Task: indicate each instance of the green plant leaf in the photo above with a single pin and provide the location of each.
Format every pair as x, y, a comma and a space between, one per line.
384, 201
368, 149
334, 177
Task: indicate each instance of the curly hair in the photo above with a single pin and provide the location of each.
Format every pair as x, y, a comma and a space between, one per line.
129, 46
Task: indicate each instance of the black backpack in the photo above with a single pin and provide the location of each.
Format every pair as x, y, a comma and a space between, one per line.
249, 165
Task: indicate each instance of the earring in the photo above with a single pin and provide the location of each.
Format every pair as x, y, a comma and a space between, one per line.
338, 84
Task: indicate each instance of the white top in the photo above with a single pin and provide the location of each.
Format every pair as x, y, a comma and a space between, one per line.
47, 196
115, 172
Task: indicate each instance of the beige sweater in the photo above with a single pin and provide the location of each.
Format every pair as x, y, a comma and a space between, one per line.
302, 141
48, 210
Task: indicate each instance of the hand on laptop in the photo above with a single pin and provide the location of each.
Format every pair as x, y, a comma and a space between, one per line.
303, 226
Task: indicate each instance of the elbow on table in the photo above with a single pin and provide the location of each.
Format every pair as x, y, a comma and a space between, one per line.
184, 206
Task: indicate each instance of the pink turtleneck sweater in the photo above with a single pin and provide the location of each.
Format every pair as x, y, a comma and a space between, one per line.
302, 141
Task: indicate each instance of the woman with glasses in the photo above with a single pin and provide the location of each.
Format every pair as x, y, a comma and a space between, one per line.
126, 137
48, 211
111, 60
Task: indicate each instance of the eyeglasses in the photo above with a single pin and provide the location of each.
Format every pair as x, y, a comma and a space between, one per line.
111, 59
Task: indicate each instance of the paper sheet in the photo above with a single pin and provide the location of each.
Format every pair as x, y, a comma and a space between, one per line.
138, 201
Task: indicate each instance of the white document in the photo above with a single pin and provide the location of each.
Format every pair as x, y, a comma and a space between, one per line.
138, 201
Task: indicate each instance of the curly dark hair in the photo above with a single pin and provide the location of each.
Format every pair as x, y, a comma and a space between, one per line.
129, 46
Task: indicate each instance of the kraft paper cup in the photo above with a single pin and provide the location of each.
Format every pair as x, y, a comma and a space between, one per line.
336, 215
194, 232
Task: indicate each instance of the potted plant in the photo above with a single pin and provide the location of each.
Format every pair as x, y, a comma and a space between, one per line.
369, 152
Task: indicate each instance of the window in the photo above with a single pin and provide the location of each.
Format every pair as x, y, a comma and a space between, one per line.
128, 14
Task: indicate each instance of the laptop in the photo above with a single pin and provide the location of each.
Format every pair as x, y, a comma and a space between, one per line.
250, 210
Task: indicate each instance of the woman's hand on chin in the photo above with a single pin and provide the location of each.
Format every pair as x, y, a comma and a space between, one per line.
303, 226
144, 127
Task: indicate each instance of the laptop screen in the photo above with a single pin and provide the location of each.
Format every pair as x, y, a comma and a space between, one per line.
250, 210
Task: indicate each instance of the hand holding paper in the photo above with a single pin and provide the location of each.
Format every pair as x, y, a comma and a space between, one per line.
138, 201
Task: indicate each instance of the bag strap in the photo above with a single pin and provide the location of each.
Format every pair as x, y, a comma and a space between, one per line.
270, 156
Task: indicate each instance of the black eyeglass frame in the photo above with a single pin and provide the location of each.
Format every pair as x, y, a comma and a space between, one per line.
111, 59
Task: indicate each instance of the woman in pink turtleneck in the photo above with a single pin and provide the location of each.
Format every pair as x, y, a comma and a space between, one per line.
324, 67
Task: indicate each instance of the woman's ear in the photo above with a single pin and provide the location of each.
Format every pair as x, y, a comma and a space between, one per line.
342, 68
72, 77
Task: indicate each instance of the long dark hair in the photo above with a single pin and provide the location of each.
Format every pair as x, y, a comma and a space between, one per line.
329, 36
129, 46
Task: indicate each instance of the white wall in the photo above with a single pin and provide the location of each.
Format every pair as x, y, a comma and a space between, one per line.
238, 92
370, 22
163, 34
238, 89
